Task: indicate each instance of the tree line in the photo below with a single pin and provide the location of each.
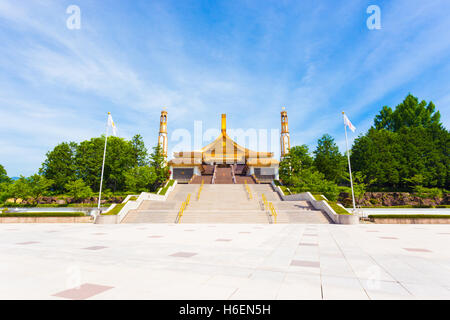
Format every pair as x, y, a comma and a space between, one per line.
406, 149
74, 169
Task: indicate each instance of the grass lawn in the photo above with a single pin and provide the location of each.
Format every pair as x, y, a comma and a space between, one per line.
338, 209
164, 190
117, 208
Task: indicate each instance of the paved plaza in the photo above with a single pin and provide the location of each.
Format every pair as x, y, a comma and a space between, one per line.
239, 261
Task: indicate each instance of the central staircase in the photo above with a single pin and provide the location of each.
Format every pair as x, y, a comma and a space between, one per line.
225, 203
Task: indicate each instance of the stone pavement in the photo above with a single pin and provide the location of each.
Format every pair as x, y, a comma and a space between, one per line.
240, 261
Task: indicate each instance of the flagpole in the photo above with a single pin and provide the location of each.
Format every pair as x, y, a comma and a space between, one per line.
103, 167
349, 165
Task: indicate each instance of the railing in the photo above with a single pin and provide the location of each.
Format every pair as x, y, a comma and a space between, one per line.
250, 196
256, 179
270, 209
200, 190
265, 202
273, 212
183, 207
214, 174
232, 174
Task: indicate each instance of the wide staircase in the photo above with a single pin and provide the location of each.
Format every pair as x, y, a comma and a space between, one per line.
225, 203
224, 175
290, 211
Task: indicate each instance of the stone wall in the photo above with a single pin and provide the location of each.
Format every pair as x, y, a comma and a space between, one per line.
378, 199
68, 200
86, 219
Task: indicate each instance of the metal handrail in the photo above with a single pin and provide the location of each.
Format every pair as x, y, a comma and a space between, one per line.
269, 209
232, 174
248, 189
214, 175
200, 190
265, 202
273, 212
180, 212
183, 207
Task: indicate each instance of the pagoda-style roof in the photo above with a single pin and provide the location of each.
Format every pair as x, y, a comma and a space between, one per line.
223, 150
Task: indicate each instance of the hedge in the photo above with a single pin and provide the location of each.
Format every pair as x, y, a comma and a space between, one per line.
43, 214
52, 205
409, 216
441, 206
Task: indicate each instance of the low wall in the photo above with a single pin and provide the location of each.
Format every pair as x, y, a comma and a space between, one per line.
319, 205
106, 219
133, 205
86, 219
410, 220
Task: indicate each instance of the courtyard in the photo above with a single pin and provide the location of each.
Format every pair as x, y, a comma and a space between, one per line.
207, 261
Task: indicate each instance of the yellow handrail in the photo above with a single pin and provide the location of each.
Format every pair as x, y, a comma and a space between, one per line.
273, 212
200, 189
188, 199
248, 189
264, 199
180, 212
183, 207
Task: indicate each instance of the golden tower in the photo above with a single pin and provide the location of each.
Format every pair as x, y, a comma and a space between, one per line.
162, 139
285, 139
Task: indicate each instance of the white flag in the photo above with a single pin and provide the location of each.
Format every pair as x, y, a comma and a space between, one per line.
112, 125
349, 124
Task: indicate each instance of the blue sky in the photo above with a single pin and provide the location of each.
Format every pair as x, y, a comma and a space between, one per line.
204, 58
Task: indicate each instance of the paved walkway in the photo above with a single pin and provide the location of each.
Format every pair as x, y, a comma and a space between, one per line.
201, 261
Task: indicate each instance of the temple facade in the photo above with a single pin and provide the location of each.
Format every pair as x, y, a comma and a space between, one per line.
224, 160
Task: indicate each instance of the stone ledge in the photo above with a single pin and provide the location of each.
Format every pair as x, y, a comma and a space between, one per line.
410, 221
86, 219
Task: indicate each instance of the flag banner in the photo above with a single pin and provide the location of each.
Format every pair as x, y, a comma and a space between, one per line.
349, 124
112, 125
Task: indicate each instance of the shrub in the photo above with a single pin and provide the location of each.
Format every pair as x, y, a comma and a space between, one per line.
43, 214
78, 190
409, 216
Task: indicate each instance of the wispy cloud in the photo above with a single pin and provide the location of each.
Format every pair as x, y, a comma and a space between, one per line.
201, 59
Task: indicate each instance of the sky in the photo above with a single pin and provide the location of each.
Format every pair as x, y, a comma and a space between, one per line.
199, 59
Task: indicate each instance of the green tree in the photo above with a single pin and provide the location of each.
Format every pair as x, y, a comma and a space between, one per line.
78, 190
309, 179
3, 175
360, 185
329, 160
59, 165
158, 162
38, 186
393, 158
119, 158
5, 191
409, 113
20, 189
293, 163
140, 179
140, 152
